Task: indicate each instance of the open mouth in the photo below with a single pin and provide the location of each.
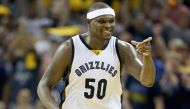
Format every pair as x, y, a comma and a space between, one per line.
107, 32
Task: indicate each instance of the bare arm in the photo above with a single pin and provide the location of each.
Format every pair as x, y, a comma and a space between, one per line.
126, 102
159, 102
53, 74
144, 71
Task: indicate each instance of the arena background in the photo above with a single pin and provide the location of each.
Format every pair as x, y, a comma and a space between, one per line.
31, 30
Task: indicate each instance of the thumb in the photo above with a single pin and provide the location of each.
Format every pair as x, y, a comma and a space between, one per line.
134, 42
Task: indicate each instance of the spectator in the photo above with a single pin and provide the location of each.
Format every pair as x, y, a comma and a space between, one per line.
24, 98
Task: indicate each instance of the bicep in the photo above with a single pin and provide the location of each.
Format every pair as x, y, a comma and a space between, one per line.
131, 62
58, 65
134, 67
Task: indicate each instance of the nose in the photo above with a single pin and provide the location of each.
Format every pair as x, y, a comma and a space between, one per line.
107, 25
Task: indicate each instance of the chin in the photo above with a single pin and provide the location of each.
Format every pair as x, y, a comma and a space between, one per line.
107, 37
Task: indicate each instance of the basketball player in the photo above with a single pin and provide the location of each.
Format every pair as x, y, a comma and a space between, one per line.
92, 63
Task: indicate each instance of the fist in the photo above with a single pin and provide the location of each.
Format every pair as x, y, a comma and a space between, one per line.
143, 47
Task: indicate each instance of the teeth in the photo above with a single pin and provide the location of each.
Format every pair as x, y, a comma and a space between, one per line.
107, 31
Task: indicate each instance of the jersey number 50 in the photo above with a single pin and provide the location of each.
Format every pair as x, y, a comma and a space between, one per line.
101, 90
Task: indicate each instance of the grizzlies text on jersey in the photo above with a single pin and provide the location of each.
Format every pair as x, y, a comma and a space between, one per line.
94, 81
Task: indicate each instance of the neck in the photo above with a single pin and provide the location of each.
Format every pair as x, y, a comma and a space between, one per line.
95, 42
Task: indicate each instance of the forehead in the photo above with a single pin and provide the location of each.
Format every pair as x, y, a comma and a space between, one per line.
106, 17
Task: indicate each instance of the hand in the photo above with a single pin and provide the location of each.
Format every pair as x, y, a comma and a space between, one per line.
143, 47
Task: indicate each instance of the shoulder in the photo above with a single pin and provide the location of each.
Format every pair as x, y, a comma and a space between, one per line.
126, 50
124, 46
66, 46
64, 51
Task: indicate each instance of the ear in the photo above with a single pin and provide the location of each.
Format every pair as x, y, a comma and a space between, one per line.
88, 21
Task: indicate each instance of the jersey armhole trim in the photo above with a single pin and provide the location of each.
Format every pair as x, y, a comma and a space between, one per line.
72, 44
66, 75
119, 57
67, 71
117, 50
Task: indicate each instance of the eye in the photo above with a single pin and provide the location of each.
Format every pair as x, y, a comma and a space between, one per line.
111, 21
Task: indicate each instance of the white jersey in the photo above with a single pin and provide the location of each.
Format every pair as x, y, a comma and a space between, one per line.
94, 80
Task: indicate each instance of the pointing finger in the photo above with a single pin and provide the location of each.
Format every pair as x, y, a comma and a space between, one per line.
148, 39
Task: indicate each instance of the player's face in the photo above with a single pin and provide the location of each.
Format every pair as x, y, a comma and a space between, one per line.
102, 26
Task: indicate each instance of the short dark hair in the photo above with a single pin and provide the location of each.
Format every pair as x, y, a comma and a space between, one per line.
98, 5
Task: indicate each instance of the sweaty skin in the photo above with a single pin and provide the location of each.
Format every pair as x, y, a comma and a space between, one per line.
143, 72
100, 30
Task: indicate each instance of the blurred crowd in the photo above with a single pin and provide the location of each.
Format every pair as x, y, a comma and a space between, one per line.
31, 30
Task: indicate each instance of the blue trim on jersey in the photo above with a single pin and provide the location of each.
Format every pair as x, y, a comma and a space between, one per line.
90, 48
117, 50
66, 75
